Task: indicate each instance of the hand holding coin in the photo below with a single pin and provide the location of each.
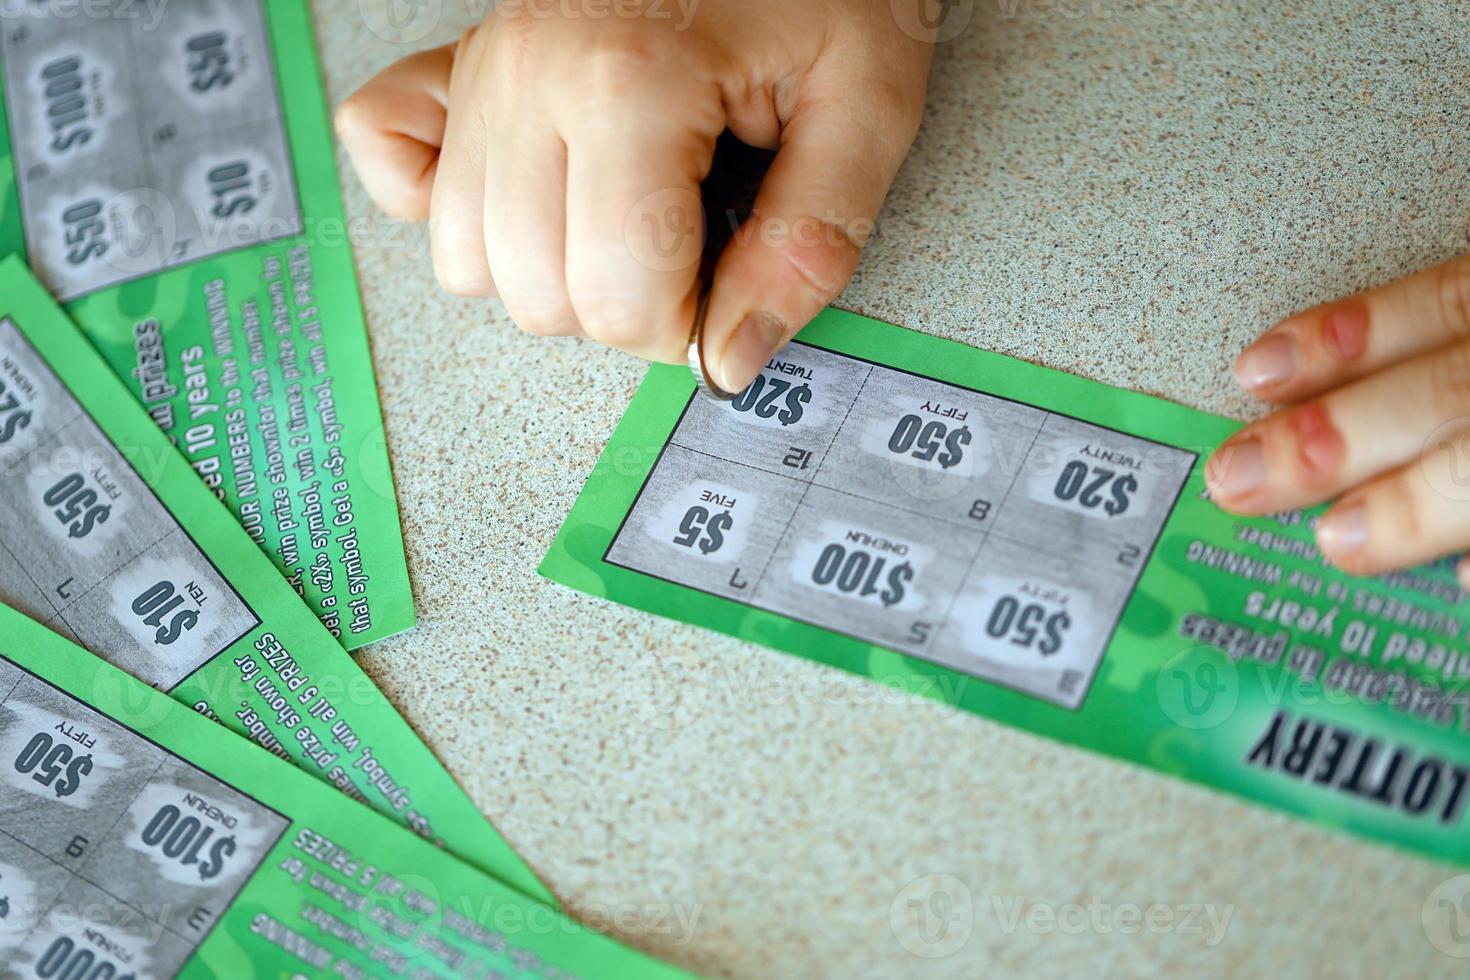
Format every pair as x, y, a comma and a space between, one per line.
558, 155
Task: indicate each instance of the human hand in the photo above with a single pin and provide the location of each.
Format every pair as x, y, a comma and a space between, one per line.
556, 152
1379, 389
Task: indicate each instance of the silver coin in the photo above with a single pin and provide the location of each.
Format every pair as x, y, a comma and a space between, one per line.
702, 378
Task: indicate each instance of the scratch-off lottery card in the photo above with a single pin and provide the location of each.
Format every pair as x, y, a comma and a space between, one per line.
1040, 549
87, 548
97, 818
139, 841
108, 538
168, 170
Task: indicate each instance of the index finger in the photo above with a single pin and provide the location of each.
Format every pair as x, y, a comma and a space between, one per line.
393, 128
635, 157
1337, 342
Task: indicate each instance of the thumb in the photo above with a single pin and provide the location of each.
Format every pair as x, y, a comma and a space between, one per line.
393, 127
814, 212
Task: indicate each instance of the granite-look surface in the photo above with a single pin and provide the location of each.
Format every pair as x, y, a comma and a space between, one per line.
1129, 191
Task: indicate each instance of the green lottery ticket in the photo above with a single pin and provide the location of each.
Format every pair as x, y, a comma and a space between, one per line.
139, 840
168, 170
108, 537
1039, 549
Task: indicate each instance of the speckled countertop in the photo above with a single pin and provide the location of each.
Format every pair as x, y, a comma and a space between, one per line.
1125, 190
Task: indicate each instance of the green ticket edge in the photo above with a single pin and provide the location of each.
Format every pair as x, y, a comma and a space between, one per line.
1158, 699
175, 298
454, 820
234, 947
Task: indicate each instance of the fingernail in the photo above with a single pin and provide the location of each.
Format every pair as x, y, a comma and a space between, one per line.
754, 341
1237, 468
1343, 530
1267, 362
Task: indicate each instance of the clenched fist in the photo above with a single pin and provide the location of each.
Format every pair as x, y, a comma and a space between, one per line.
557, 150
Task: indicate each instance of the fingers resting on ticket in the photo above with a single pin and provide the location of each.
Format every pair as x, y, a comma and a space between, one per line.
1375, 396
